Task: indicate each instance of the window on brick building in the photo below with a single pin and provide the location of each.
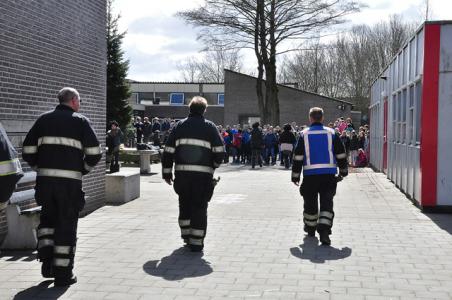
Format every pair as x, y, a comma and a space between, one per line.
220, 99
177, 98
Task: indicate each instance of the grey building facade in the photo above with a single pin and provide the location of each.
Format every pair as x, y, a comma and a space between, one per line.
231, 102
44, 46
241, 104
171, 99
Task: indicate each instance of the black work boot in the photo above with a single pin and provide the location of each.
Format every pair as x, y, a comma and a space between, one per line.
196, 248
309, 230
325, 238
65, 281
47, 269
311, 233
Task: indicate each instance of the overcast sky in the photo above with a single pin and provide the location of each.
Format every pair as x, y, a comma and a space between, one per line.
157, 41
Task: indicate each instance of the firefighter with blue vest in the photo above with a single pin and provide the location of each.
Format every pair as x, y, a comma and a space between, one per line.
62, 147
319, 153
196, 149
10, 169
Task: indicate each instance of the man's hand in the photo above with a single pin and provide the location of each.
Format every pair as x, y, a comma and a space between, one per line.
169, 180
296, 181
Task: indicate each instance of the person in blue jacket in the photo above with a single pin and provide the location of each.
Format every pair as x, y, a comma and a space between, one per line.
270, 141
319, 153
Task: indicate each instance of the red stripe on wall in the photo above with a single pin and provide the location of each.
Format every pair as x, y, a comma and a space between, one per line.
429, 115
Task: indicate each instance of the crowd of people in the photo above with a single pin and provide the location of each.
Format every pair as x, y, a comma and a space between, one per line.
276, 143
152, 132
267, 144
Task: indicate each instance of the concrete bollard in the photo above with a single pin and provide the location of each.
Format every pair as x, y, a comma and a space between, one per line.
145, 161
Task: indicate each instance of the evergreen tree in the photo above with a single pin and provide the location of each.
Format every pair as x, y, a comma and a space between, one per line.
118, 90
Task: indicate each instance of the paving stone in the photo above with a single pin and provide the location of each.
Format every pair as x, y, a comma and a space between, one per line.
383, 247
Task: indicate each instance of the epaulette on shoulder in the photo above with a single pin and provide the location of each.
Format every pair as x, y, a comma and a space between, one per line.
331, 130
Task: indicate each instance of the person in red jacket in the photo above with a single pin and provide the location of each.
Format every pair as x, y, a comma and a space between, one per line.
237, 144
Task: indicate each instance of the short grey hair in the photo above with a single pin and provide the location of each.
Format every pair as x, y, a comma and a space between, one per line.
198, 105
316, 113
66, 94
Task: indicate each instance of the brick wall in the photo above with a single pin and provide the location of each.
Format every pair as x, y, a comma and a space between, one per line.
45, 45
241, 100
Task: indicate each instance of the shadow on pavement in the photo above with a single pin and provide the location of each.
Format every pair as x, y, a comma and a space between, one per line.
179, 265
318, 254
149, 174
14, 255
443, 220
41, 291
241, 168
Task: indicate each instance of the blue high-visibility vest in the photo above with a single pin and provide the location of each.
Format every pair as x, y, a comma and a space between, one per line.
318, 148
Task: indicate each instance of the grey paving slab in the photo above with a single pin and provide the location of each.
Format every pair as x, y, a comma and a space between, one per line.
383, 247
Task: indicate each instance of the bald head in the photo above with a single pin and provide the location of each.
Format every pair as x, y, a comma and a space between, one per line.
70, 97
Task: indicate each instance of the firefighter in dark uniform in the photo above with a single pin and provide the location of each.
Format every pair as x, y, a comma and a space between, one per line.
62, 147
319, 152
10, 169
196, 148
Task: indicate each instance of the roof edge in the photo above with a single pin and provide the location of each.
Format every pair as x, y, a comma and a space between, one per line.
172, 82
289, 87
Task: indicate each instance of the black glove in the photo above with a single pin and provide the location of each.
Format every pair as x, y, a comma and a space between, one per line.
167, 176
343, 172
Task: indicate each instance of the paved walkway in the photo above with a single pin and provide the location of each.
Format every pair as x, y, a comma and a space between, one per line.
382, 247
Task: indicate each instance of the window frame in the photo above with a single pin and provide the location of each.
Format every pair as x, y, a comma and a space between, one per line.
218, 99
177, 103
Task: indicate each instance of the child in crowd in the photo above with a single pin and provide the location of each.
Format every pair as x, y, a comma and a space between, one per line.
362, 159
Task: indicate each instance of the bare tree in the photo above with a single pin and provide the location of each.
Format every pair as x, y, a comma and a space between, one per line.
189, 69
316, 68
265, 26
345, 68
210, 67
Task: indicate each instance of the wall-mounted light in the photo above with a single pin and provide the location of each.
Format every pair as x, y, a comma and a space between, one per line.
341, 106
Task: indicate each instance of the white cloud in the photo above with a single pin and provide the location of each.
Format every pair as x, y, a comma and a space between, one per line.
441, 9
157, 40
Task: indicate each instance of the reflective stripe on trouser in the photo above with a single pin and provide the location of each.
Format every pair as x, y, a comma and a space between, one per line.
197, 237
196, 241
63, 257
326, 219
184, 225
45, 243
310, 220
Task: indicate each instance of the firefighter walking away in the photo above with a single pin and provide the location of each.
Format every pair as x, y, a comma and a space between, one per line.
196, 149
62, 147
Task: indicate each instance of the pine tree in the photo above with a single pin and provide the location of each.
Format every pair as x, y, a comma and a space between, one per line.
118, 90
